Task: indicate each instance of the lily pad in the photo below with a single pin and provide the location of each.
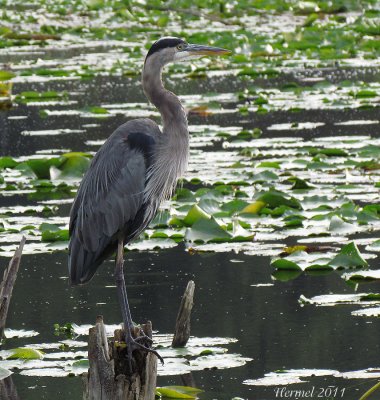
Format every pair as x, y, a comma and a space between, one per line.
6, 75
264, 176
363, 276
55, 236
19, 333
80, 366
177, 392
275, 198
349, 257
299, 183
338, 225
7, 162
289, 377
25, 353
195, 214
4, 373
74, 165
333, 299
206, 230
41, 167
254, 208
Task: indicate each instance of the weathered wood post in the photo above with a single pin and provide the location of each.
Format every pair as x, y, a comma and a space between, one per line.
6, 286
182, 326
109, 377
8, 389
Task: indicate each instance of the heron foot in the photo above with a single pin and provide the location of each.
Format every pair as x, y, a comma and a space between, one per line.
143, 338
136, 344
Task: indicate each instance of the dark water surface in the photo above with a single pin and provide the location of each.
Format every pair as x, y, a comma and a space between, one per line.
270, 325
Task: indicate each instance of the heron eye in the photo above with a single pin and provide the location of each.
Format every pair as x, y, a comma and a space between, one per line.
180, 46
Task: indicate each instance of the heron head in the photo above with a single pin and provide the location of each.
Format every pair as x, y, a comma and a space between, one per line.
172, 49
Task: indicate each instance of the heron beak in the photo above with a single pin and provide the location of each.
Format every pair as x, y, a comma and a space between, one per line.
199, 50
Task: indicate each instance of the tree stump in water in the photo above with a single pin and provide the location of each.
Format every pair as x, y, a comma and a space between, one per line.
6, 286
109, 377
182, 325
8, 389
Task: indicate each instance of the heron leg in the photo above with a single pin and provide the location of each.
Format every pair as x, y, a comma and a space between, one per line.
132, 343
121, 288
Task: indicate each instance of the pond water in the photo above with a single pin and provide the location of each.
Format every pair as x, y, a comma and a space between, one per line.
270, 325
278, 159
236, 296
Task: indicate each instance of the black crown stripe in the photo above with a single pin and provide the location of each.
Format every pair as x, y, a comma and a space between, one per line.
164, 43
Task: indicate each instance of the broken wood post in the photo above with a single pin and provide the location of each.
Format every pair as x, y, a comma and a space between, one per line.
188, 380
109, 377
182, 326
6, 286
8, 389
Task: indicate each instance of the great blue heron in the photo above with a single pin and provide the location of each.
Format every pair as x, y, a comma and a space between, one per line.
131, 174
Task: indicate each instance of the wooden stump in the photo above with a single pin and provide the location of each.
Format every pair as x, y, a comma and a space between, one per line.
109, 377
8, 389
6, 286
182, 326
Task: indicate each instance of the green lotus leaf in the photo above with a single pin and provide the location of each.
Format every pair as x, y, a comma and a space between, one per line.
25, 353
274, 198
349, 257
195, 214
207, 230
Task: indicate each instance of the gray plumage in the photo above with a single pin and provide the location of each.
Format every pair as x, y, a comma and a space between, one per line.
110, 200
134, 171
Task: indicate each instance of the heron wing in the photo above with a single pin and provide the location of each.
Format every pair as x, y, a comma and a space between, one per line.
110, 200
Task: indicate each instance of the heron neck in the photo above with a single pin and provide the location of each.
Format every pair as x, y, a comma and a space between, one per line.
172, 151
168, 104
